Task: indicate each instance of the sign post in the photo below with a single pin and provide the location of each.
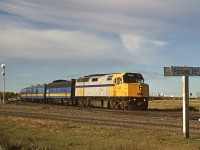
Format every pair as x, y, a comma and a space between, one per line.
185, 82
185, 72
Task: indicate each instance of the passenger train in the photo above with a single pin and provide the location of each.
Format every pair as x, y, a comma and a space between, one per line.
116, 90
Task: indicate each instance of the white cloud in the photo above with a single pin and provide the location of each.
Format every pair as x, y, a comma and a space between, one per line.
139, 44
110, 16
76, 47
142, 47
48, 44
55, 19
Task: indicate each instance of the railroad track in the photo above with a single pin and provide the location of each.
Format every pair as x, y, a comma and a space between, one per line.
148, 113
141, 123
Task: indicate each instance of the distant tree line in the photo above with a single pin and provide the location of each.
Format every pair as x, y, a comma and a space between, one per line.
9, 95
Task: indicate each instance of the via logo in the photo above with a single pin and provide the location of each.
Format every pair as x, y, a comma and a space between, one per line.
140, 94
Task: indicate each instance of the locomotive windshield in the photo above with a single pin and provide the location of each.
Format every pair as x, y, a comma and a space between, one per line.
133, 78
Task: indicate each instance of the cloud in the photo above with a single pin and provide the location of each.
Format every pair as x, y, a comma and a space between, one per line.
140, 44
51, 44
56, 46
110, 16
142, 47
48, 49
74, 29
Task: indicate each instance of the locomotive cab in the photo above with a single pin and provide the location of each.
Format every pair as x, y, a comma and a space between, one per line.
132, 89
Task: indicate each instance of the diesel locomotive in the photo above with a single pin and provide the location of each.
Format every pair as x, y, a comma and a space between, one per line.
116, 90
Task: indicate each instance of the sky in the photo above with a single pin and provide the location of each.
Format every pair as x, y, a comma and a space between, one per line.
42, 41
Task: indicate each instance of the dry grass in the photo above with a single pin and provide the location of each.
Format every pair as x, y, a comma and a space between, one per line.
173, 104
19, 133
22, 133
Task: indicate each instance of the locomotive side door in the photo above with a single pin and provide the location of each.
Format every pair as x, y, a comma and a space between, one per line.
118, 87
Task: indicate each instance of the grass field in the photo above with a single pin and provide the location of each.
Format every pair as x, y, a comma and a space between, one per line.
19, 133
173, 104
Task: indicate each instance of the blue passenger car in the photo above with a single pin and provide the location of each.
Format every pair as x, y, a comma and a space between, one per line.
33, 93
59, 91
38, 93
23, 94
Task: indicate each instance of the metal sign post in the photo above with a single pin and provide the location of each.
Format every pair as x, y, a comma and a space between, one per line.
185, 72
185, 81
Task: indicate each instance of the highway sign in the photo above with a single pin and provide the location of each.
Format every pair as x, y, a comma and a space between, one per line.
181, 71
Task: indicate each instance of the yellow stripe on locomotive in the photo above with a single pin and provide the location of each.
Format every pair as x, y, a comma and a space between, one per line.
58, 95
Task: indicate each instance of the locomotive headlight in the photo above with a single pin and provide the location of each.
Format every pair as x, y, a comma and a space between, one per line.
144, 100
140, 87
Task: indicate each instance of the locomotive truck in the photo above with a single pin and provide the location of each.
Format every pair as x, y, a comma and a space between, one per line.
116, 90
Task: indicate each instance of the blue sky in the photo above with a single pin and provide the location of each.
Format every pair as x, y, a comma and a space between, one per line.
41, 41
